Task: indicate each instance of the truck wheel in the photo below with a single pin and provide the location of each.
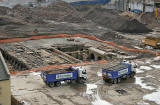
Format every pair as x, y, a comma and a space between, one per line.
114, 81
80, 81
127, 76
106, 80
51, 84
132, 74
118, 80
69, 81
58, 83
46, 82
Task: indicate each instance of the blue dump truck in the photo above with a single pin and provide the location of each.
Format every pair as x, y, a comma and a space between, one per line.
123, 70
54, 77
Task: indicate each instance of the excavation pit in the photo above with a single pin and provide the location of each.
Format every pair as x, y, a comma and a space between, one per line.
82, 52
55, 51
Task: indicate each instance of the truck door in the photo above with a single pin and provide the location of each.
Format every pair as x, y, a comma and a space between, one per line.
82, 72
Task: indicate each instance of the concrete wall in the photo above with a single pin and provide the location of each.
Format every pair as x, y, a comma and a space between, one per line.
95, 56
5, 92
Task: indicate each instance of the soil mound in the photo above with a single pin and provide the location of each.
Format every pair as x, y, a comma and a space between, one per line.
4, 10
133, 26
111, 19
58, 11
9, 21
107, 18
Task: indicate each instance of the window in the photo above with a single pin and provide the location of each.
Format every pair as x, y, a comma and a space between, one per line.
157, 5
84, 72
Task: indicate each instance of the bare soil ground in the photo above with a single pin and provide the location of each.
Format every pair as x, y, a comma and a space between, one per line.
58, 18
21, 21
30, 88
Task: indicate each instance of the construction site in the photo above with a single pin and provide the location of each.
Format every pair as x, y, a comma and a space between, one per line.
42, 35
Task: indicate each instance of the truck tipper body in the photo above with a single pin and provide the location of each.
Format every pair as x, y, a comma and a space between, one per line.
54, 77
120, 71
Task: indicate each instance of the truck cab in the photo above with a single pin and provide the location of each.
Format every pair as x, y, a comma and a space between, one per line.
82, 74
133, 65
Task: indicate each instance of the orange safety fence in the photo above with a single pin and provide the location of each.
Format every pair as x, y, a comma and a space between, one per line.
83, 36
57, 67
119, 46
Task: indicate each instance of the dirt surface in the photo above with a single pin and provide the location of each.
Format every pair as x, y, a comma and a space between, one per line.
150, 20
33, 54
59, 11
133, 26
94, 92
61, 18
111, 19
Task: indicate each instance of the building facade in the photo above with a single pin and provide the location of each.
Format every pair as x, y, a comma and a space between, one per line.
125, 5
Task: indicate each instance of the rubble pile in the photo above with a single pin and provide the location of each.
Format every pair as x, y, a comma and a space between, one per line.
38, 17
111, 19
59, 11
107, 18
9, 21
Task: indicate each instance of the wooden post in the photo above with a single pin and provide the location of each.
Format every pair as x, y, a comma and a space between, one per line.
144, 5
127, 5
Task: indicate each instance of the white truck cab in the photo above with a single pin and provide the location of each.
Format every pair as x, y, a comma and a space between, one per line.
82, 72
134, 65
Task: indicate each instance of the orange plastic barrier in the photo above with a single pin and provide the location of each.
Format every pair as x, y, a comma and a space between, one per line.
83, 36
57, 66
118, 46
